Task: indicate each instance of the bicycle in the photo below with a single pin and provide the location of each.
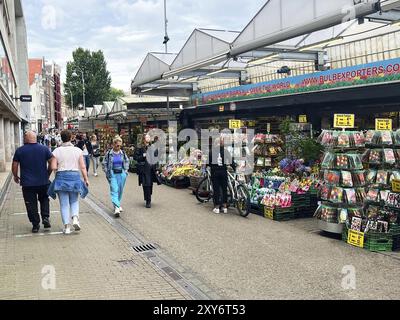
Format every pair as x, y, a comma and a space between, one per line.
238, 195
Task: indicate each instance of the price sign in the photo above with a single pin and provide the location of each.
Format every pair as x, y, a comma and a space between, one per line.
383, 124
396, 186
356, 238
221, 108
303, 118
235, 124
269, 213
344, 121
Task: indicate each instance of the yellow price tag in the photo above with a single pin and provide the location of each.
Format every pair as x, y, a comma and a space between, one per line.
356, 238
344, 121
303, 118
396, 186
235, 124
269, 213
383, 124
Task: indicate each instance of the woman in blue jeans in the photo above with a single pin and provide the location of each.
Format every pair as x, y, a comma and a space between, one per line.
116, 166
68, 162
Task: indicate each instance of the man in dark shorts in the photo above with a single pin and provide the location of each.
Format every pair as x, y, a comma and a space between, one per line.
34, 161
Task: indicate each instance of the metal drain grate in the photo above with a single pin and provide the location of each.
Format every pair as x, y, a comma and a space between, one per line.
144, 248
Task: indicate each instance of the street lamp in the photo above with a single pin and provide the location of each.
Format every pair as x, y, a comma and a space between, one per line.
74, 74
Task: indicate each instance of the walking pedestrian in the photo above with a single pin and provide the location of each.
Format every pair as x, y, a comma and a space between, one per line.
95, 153
68, 162
33, 160
116, 166
86, 147
219, 159
146, 169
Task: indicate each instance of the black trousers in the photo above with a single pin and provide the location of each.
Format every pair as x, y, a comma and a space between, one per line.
147, 191
31, 197
219, 179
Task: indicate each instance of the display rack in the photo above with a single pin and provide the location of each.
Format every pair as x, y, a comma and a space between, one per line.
342, 191
267, 150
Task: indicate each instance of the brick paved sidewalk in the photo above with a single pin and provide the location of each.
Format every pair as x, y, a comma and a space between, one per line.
93, 264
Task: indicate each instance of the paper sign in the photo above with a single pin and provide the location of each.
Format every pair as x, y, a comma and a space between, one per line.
269, 213
268, 128
303, 118
221, 108
356, 238
383, 124
396, 186
235, 124
344, 121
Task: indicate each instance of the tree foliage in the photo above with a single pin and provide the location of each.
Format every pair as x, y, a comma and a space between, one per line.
97, 78
114, 94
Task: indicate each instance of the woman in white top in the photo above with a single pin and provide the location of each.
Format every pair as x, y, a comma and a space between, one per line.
68, 162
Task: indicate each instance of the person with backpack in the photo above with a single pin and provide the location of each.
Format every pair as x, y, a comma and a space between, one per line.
116, 166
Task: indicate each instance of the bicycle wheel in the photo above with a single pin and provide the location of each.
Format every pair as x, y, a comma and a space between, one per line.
243, 201
204, 191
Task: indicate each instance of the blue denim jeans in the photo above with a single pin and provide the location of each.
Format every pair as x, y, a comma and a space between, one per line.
69, 203
117, 185
87, 162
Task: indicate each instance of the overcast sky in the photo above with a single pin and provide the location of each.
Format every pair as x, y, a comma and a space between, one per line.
124, 29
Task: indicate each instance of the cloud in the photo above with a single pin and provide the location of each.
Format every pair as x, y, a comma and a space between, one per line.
126, 30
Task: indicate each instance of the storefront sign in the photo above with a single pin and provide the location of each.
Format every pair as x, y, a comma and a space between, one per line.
396, 186
269, 213
232, 106
344, 121
356, 238
235, 124
383, 124
303, 118
377, 72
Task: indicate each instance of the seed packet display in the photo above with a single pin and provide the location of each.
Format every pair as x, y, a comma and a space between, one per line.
351, 197
347, 180
343, 215
371, 176
389, 157
393, 200
383, 194
355, 212
327, 138
369, 136
342, 161
372, 212
355, 161
395, 175
336, 195
356, 224
332, 177
359, 140
325, 192
375, 156
329, 214
359, 178
372, 195
327, 163
361, 195
382, 177
386, 137
343, 140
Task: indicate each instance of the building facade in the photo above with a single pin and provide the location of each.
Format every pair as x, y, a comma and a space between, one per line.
13, 79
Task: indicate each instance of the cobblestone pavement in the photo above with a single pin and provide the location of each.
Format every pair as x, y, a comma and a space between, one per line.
253, 258
96, 263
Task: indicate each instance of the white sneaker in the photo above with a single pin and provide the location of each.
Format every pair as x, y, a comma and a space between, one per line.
75, 223
96, 175
117, 212
67, 230
225, 210
216, 210
121, 210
